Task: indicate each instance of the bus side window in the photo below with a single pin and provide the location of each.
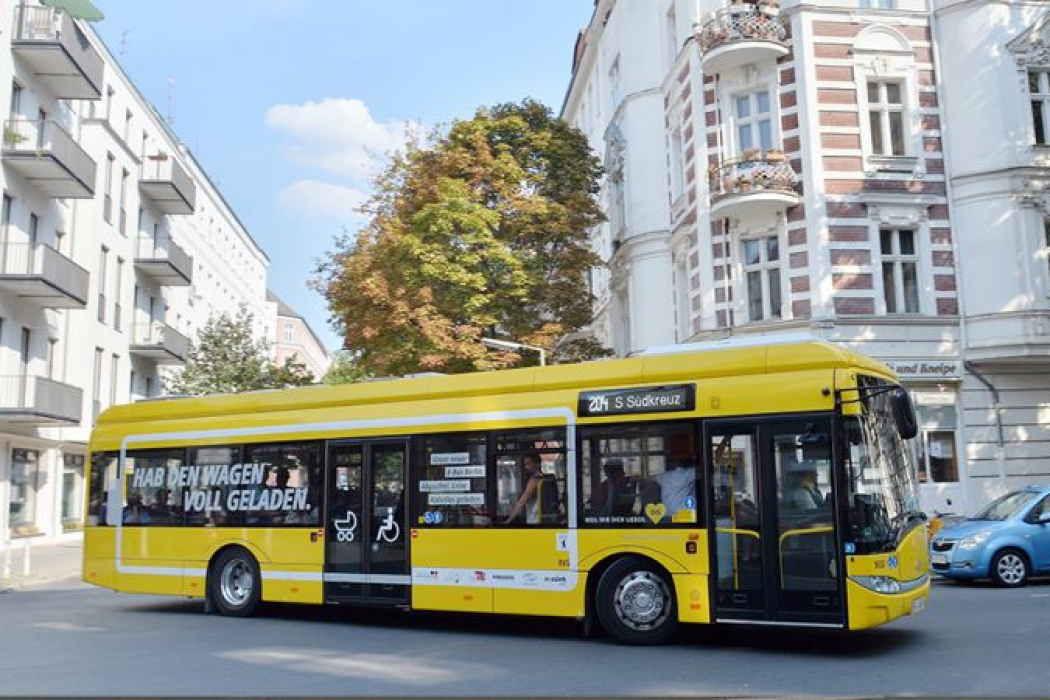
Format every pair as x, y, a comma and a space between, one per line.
545, 504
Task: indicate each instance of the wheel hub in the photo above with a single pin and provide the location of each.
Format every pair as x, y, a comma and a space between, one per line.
236, 582
641, 600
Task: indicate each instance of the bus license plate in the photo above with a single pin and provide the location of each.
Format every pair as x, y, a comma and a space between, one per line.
939, 559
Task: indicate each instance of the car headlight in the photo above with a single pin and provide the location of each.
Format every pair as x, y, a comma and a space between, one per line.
879, 584
975, 541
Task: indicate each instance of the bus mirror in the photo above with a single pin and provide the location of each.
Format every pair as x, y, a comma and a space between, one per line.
904, 414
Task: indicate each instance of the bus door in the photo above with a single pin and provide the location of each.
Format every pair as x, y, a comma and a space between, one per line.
772, 502
366, 555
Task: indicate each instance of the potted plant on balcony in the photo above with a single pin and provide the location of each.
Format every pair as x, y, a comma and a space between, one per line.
744, 182
775, 155
749, 154
769, 5
12, 137
729, 183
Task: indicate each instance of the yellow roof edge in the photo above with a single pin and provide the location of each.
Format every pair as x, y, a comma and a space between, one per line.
596, 374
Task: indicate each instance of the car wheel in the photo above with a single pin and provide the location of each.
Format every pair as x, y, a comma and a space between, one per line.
1009, 568
234, 583
636, 602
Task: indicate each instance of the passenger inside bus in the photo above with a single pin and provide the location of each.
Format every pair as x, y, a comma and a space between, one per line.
539, 501
616, 494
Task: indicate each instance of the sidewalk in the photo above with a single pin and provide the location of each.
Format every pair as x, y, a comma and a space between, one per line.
48, 563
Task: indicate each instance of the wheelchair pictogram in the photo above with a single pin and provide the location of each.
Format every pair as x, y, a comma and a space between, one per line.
346, 529
389, 531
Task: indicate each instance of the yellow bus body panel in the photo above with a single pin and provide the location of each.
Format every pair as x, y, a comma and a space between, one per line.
870, 609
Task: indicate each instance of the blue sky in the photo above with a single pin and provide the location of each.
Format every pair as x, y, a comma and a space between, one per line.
289, 103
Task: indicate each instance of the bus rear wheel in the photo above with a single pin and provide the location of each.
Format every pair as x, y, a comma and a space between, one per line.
234, 583
636, 603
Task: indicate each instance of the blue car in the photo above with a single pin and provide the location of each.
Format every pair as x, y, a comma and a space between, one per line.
1007, 541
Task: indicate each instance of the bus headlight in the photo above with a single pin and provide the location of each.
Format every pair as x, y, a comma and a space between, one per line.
879, 584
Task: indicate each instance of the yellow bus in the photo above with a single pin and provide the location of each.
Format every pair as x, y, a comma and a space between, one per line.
727, 482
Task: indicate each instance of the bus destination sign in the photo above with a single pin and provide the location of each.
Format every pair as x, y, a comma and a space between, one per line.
652, 399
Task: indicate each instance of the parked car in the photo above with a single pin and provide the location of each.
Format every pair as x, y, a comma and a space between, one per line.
1007, 541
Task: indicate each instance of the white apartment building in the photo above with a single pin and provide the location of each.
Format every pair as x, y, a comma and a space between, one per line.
294, 339
114, 248
873, 172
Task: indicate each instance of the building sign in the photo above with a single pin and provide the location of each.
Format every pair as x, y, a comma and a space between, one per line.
654, 399
925, 369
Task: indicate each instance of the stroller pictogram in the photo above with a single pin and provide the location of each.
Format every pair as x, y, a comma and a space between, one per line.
346, 529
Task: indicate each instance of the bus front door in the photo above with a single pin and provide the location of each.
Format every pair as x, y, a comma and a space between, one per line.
366, 556
771, 499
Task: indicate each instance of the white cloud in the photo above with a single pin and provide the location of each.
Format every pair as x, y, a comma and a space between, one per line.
338, 135
324, 200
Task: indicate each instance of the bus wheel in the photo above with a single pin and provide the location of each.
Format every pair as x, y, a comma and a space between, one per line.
234, 583
636, 603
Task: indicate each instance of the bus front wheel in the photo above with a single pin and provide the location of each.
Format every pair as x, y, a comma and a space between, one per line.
234, 583
636, 602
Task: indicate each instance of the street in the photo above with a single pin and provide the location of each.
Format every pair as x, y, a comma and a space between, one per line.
67, 638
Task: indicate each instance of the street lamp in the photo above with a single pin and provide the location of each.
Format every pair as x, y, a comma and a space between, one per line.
507, 345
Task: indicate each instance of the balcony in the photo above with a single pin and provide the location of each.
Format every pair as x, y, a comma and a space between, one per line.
42, 275
742, 34
170, 188
48, 157
164, 261
757, 184
53, 48
39, 401
159, 342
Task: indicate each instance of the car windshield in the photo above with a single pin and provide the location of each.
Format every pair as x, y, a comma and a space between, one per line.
1005, 507
883, 488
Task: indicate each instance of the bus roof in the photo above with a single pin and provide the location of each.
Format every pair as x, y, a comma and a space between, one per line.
692, 362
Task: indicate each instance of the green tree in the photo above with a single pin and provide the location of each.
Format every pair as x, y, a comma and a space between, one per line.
344, 370
228, 358
482, 231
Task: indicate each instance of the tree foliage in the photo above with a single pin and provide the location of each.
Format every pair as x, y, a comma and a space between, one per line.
482, 231
345, 370
228, 358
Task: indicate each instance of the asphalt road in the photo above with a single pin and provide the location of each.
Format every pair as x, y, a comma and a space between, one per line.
73, 639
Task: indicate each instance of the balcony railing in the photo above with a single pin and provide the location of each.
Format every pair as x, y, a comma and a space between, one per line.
163, 180
45, 154
40, 274
159, 342
742, 34
755, 181
37, 400
54, 48
164, 261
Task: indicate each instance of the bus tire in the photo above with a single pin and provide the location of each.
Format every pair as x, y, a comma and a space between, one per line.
635, 602
234, 583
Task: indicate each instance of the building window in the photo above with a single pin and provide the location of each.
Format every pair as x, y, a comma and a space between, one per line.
96, 385
114, 367
900, 271
762, 277
25, 480
1046, 246
677, 166
937, 460
289, 333
886, 117
107, 202
754, 125
1039, 92
72, 490
878, 4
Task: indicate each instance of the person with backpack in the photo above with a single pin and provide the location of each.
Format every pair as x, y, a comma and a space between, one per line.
535, 500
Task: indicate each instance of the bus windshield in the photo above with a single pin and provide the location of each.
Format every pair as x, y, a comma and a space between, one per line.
883, 489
